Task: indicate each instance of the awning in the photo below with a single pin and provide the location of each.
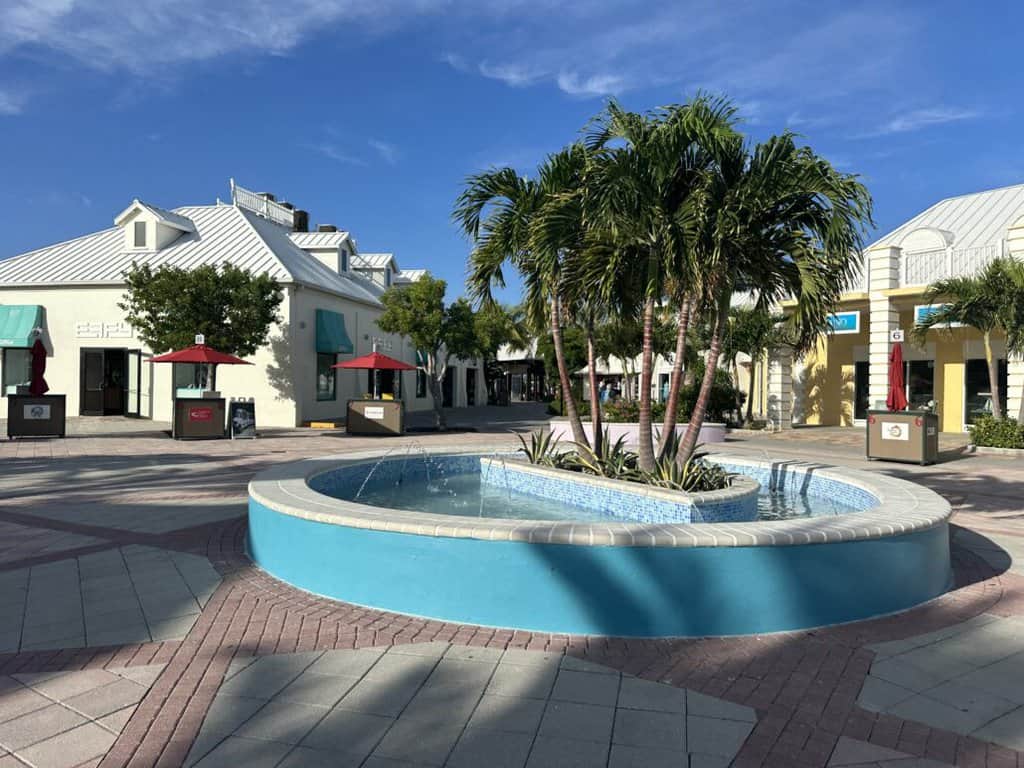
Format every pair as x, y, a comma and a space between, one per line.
17, 323
331, 338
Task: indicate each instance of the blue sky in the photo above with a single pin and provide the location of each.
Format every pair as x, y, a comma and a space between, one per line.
370, 114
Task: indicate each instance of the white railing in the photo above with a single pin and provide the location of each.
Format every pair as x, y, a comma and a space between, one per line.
260, 205
924, 267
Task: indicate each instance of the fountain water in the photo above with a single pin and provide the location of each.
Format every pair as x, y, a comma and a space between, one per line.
373, 469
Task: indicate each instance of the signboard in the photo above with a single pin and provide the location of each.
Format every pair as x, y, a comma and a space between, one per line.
922, 311
242, 418
845, 322
895, 430
36, 412
200, 414
373, 412
99, 330
897, 336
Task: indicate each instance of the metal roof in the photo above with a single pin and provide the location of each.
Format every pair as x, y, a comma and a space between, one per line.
319, 239
409, 275
374, 261
167, 217
975, 220
222, 233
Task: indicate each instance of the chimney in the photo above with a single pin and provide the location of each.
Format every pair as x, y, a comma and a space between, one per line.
300, 221
326, 228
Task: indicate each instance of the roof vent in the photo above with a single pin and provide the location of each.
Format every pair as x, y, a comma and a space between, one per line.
286, 204
301, 220
326, 228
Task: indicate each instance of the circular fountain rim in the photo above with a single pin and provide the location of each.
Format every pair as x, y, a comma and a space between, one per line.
904, 507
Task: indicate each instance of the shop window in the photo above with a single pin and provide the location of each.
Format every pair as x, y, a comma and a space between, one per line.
421, 383
861, 381
978, 393
920, 377
189, 376
17, 365
326, 377
344, 259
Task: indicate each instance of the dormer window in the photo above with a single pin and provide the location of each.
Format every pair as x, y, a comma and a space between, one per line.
343, 260
140, 234
387, 277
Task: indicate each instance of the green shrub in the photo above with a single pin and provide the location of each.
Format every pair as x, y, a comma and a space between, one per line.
997, 433
555, 407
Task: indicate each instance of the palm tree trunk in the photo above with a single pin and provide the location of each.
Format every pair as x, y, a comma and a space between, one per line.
668, 427
993, 376
436, 375
568, 401
700, 407
595, 400
750, 392
646, 439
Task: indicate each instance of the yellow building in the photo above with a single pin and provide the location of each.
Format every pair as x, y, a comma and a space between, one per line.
847, 373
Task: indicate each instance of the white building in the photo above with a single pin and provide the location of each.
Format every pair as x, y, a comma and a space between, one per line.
68, 295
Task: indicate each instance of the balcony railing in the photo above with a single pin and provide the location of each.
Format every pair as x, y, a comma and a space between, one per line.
924, 267
262, 206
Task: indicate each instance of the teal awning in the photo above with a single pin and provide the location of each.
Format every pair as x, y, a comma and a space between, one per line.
17, 321
331, 338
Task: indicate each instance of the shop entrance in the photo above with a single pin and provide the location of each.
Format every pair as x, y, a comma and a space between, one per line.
110, 382
861, 379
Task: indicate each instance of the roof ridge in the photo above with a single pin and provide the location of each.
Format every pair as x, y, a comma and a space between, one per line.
263, 241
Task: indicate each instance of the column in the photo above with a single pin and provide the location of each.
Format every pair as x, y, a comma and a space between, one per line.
1015, 386
780, 388
883, 266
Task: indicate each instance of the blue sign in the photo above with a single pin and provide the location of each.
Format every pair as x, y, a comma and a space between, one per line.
845, 322
923, 311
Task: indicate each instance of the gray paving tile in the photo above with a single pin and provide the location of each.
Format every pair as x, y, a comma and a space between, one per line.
534, 682
283, 721
586, 688
710, 736
494, 749
623, 756
319, 690
252, 753
172, 629
581, 665
1007, 730
699, 705
68, 684
568, 720
228, 712
504, 713
970, 699
640, 728
427, 650
350, 733
635, 693
942, 660
347, 663
260, 681
526, 658
419, 741
878, 694
557, 752
37, 726
110, 698
74, 641
144, 675
15, 702
899, 672
120, 636
393, 667
453, 672
116, 721
71, 748
473, 653
939, 715
854, 752
370, 697
304, 757
1001, 679
443, 704
387, 762
711, 761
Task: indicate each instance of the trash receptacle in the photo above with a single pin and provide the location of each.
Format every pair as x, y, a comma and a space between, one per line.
911, 436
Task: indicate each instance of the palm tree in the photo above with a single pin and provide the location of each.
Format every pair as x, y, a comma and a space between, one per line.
777, 222
498, 210
990, 302
751, 330
642, 173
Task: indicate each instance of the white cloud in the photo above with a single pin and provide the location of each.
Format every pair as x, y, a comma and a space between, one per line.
337, 154
11, 103
917, 119
388, 152
595, 85
515, 75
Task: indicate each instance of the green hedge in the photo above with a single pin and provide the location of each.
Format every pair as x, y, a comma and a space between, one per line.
997, 433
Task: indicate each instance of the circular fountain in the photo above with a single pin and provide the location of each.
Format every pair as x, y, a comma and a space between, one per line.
492, 540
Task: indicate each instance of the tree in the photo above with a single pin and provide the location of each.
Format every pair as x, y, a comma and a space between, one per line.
498, 211
751, 331
497, 326
232, 307
777, 222
439, 333
990, 302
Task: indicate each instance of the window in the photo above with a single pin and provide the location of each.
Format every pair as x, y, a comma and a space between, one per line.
920, 378
421, 383
189, 376
977, 392
344, 260
326, 377
17, 364
387, 277
140, 234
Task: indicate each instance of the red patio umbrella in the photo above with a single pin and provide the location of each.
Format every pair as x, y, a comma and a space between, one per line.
201, 353
375, 361
897, 398
38, 386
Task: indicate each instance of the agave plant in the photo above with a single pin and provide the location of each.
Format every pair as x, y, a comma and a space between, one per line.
609, 460
695, 475
542, 448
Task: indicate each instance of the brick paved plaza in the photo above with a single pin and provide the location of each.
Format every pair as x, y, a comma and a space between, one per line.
136, 633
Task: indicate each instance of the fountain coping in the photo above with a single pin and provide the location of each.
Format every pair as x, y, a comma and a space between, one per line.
903, 508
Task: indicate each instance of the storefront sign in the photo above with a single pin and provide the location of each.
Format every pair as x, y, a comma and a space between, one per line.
200, 414
99, 330
374, 412
895, 430
845, 322
922, 311
37, 412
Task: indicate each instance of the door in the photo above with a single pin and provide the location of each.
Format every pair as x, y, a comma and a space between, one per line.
115, 368
448, 388
471, 386
134, 388
860, 391
91, 378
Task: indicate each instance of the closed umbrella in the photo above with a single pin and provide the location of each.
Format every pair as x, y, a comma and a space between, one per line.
38, 386
897, 398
